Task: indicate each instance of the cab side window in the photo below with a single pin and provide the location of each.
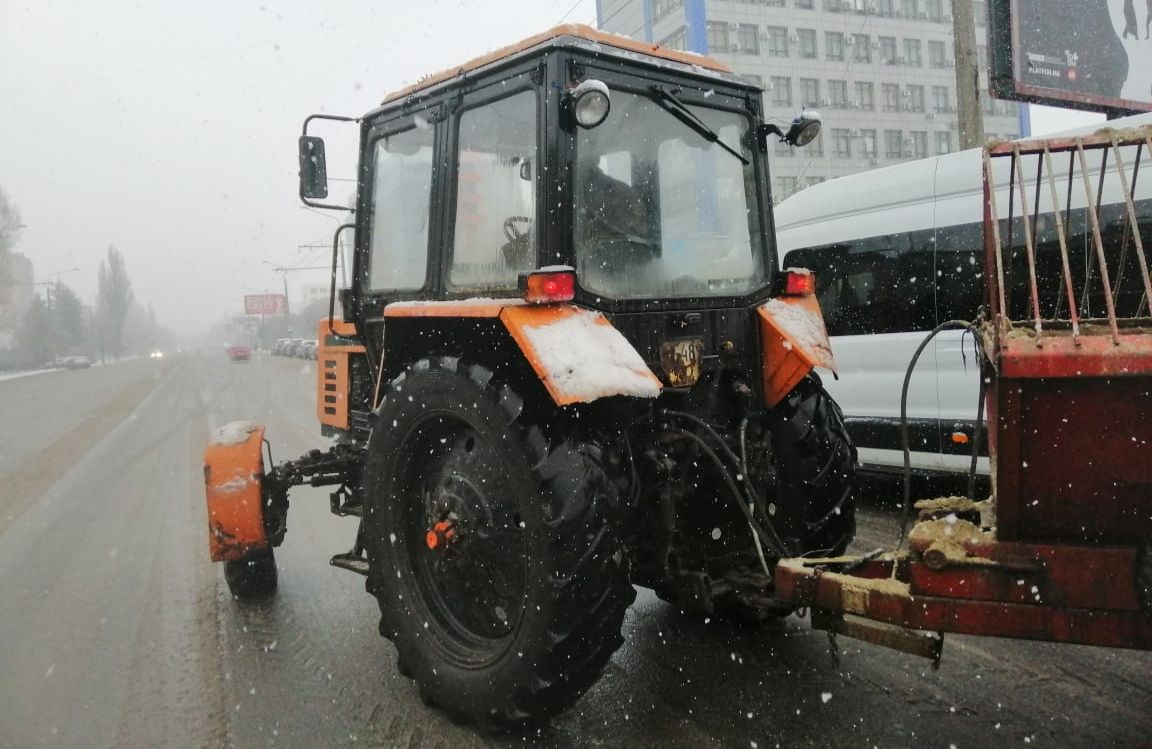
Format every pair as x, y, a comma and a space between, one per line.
496, 172
402, 190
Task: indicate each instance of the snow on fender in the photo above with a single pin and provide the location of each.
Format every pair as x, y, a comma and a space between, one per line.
795, 341
233, 486
578, 355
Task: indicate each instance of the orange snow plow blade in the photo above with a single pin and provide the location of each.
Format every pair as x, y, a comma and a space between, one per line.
233, 479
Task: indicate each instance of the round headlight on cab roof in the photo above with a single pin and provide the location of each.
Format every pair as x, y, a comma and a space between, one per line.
590, 103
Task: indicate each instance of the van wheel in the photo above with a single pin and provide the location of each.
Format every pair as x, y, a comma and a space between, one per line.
493, 549
815, 464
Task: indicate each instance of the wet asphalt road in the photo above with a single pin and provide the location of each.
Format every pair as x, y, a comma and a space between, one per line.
116, 630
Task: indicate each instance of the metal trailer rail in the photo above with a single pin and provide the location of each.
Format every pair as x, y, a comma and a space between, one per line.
1061, 551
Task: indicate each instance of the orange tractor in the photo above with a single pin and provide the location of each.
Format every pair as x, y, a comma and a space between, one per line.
566, 364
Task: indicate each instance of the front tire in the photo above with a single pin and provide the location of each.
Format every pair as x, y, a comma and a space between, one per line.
493, 546
252, 577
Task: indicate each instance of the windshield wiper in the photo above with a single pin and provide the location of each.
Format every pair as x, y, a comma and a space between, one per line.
678, 109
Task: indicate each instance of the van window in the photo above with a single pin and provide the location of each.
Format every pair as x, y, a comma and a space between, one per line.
876, 285
959, 271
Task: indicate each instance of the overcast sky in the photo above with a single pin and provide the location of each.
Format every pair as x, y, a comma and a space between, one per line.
168, 129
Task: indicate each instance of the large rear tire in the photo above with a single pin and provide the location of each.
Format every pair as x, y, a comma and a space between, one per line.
815, 464
493, 546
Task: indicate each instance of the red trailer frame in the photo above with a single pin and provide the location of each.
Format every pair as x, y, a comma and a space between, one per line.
1061, 551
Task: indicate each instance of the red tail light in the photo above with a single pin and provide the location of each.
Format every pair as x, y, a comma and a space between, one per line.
799, 282
545, 286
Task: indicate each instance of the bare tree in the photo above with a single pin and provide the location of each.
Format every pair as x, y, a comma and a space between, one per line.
10, 227
114, 299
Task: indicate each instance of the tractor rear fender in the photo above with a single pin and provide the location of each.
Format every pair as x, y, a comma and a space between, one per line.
576, 353
794, 342
233, 484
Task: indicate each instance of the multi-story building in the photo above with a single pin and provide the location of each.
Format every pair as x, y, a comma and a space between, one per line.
880, 72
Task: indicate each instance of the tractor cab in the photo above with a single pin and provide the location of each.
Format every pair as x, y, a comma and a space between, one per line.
638, 172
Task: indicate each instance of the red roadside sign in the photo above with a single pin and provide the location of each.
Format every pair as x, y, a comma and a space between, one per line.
265, 304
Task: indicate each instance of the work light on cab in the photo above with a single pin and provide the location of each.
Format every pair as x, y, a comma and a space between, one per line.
548, 285
590, 103
799, 282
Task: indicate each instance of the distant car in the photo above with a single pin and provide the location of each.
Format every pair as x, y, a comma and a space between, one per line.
307, 350
156, 355
239, 353
76, 362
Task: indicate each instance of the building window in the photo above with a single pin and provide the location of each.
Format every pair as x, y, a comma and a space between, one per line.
841, 143
809, 92
781, 91
865, 95
806, 4
868, 144
935, 10
861, 48
812, 181
915, 96
937, 54
838, 94
678, 39
884, 7
919, 144
941, 102
748, 37
908, 8
816, 147
717, 37
890, 93
661, 8
912, 54
777, 41
888, 50
943, 142
833, 45
807, 40
894, 144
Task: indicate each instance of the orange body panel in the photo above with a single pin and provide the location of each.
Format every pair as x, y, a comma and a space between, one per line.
334, 372
517, 319
233, 474
451, 308
788, 355
577, 30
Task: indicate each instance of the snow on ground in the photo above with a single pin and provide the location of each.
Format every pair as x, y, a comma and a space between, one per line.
28, 373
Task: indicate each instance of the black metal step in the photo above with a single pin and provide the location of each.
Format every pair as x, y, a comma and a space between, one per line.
352, 562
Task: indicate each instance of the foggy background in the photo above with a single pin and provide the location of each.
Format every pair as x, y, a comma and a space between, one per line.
168, 129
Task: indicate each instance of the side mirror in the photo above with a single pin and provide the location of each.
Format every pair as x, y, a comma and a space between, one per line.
313, 167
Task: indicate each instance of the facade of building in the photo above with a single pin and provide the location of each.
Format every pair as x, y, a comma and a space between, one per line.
880, 72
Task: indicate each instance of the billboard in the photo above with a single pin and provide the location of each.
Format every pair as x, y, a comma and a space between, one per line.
1079, 54
265, 304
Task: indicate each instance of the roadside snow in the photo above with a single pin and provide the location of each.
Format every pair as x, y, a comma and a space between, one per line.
589, 360
233, 433
29, 373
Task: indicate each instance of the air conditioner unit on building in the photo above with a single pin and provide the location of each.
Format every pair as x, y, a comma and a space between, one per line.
875, 161
908, 153
854, 133
734, 47
854, 104
850, 41
950, 63
907, 141
794, 38
931, 115
875, 45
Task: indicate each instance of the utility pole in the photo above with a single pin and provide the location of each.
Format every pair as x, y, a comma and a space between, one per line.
967, 75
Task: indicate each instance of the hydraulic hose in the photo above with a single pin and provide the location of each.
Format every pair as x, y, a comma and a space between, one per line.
907, 509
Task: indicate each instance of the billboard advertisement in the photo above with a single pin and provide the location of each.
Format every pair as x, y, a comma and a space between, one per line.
265, 304
1080, 54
